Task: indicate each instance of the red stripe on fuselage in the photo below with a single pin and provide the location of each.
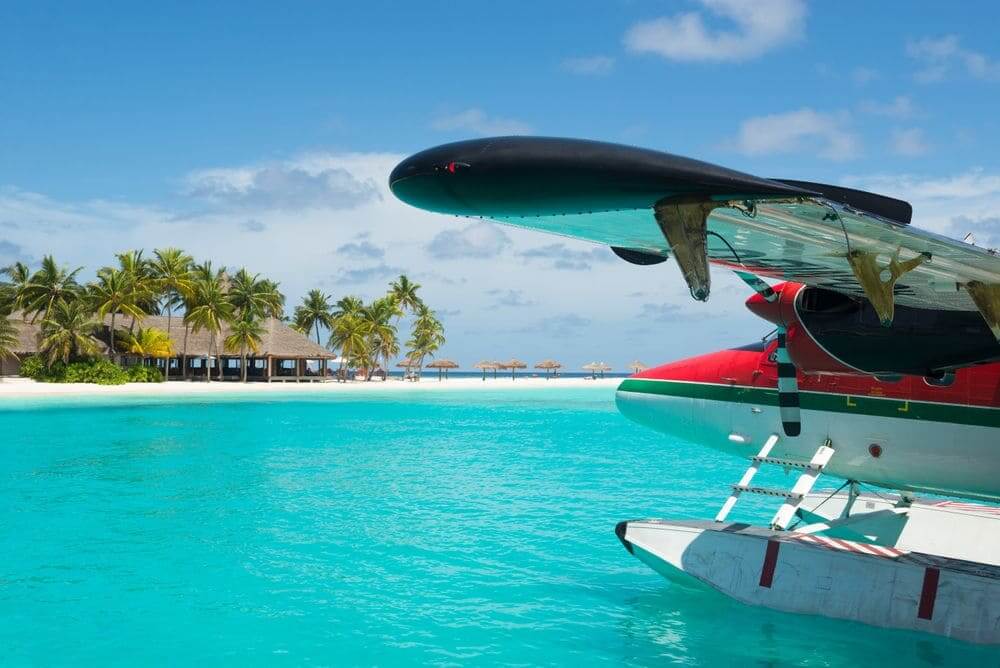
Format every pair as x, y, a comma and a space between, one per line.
973, 386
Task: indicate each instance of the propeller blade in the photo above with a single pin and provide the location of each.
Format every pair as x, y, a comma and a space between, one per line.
758, 285
788, 389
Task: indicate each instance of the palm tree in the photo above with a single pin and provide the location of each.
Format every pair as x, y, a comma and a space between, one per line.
253, 297
245, 334
276, 300
350, 336
172, 271
114, 292
404, 293
382, 341
313, 313
48, 286
150, 342
145, 286
13, 290
68, 332
210, 309
8, 339
349, 305
427, 336
199, 272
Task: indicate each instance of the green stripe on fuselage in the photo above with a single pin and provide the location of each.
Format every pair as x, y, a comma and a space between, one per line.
821, 401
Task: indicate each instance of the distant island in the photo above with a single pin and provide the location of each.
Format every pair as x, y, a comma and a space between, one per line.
147, 319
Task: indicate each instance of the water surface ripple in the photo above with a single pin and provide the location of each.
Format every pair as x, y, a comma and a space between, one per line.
443, 528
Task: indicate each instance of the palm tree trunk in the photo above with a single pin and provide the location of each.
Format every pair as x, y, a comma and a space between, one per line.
184, 354
112, 337
208, 359
243, 361
317, 332
218, 359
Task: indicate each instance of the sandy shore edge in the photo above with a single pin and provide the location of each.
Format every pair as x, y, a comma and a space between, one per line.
25, 388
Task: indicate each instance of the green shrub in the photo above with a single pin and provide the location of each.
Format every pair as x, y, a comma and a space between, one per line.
144, 374
33, 366
99, 371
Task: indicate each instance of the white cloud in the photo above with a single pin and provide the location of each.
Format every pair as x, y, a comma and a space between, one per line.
900, 106
757, 27
560, 256
478, 240
940, 55
799, 130
281, 186
589, 65
909, 142
479, 122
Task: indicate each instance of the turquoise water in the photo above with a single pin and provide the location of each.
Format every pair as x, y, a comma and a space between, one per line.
441, 528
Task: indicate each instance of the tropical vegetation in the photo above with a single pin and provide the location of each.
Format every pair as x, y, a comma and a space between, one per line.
86, 328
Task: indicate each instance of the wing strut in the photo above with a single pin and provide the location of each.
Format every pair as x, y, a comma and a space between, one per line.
684, 223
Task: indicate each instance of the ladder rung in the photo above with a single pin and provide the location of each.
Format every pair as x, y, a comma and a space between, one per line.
790, 463
767, 491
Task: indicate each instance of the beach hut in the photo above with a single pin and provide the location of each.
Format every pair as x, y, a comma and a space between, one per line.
487, 365
513, 365
549, 366
637, 366
442, 366
596, 367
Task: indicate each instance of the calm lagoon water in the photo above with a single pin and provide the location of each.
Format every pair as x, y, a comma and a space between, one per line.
444, 528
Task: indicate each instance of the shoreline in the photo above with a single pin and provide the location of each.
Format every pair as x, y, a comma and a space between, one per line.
22, 388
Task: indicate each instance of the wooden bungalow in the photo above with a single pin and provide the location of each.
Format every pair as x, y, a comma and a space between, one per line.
285, 355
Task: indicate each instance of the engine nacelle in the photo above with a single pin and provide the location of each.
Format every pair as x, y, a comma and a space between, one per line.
829, 332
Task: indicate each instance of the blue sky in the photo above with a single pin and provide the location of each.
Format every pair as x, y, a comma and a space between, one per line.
258, 134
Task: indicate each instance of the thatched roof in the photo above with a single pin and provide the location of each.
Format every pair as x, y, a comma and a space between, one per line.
596, 366
513, 364
278, 340
486, 364
637, 365
443, 364
407, 363
548, 364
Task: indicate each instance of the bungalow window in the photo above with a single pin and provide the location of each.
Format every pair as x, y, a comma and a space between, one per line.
288, 364
232, 364
259, 364
196, 362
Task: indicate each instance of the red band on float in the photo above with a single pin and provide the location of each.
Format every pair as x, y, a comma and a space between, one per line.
770, 561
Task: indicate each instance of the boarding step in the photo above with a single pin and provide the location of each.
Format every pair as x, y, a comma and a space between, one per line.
785, 463
768, 491
811, 471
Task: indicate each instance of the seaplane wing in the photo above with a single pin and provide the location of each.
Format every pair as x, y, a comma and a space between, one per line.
649, 206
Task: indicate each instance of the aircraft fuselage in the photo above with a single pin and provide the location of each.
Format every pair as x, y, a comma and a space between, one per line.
904, 434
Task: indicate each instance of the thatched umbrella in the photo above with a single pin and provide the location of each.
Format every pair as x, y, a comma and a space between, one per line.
486, 365
548, 365
442, 366
637, 366
596, 367
513, 365
408, 364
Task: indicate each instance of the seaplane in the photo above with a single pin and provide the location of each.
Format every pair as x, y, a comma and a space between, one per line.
883, 371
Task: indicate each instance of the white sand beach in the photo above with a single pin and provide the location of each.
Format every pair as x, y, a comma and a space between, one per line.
25, 388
